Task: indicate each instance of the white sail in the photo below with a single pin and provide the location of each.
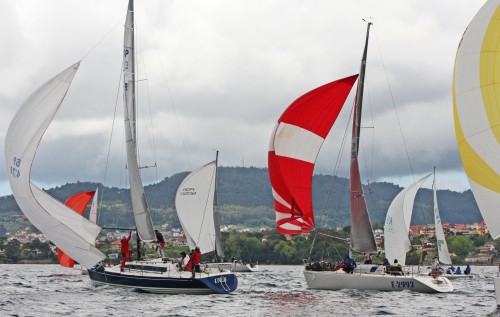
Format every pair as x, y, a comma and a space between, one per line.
93, 207
194, 202
397, 223
444, 254
71, 232
142, 216
476, 102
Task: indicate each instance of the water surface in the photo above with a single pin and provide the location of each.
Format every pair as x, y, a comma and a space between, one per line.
51, 290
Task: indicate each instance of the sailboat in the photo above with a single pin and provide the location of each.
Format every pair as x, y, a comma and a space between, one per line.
442, 247
475, 108
68, 230
196, 205
294, 146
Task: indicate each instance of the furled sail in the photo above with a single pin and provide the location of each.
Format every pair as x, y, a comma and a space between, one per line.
397, 223
444, 254
77, 202
71, 232
194, 202
93, 207
476, 104
293, 148
362, 238
142, 216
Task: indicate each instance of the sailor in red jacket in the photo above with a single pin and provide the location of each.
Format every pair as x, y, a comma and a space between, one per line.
194, 261
125, 250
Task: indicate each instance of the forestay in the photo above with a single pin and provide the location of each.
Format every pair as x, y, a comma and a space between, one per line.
476, 104
71, 232
293, 148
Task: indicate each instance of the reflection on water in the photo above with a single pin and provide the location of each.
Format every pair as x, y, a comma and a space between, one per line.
51, 290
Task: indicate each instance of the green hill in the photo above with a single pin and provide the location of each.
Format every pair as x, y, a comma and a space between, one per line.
244, 197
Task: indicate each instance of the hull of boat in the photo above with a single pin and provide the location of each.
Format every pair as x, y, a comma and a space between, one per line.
162, 283
329, 280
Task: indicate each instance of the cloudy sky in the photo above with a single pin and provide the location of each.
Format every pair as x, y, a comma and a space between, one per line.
218, 74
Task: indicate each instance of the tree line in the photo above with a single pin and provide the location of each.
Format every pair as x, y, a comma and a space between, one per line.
267, 247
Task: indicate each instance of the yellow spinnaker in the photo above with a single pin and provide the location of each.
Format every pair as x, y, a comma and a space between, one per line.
476, 107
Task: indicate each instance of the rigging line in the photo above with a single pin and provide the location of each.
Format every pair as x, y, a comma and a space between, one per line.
109, 145
172, 103
150, 133
372, 128
102, 39
335, 174
395, 109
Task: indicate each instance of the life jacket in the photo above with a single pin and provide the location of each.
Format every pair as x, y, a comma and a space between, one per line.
350, 263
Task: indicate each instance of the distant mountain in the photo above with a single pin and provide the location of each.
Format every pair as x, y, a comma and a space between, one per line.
244, 196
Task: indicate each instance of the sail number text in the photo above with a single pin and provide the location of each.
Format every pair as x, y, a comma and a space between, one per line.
15, 168
188, 191
220, 280
402, 284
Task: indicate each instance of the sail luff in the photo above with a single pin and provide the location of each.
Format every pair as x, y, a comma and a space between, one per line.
444, 254
362, 238
218, 238
142, 217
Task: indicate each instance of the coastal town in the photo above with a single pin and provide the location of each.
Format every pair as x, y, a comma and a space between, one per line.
422, 237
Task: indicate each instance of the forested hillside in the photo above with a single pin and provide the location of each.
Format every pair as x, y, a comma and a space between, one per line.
244, 197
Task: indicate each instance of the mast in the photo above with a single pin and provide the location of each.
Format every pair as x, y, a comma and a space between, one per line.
218, 239
142, 216
362, 239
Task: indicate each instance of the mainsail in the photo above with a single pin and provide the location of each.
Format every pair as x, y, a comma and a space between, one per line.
362, 238
476, 104
397, 223
194, 202
444, 254
77, 202
294, 146
142, 216
68, 230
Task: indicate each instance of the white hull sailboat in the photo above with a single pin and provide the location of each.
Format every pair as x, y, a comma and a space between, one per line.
381, 282
196, 205
475, 109
293, 149
68, 230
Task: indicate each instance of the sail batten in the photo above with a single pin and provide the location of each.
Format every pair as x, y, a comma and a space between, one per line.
476, 100
294, 146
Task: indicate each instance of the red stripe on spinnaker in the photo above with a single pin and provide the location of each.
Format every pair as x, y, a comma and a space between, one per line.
317, 110
291, 179
78, 203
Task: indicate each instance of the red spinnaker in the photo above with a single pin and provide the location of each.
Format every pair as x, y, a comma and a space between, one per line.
294, 146
78, 203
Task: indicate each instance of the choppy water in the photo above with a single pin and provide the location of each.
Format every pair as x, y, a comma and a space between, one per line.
51, 290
